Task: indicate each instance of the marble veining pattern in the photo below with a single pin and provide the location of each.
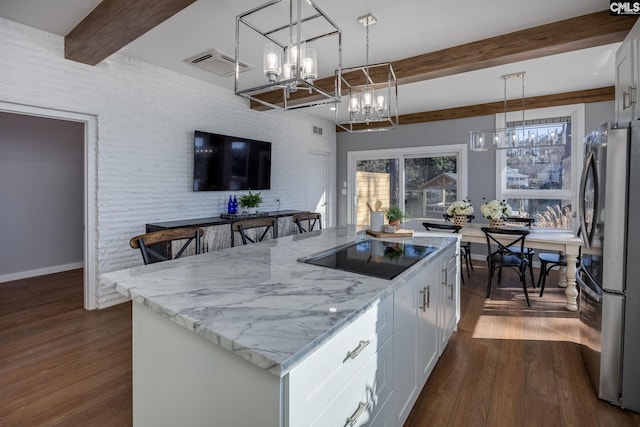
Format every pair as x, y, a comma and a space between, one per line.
258, 301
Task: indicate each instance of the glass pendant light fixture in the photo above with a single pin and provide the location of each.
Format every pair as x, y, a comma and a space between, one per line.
286, 31
515, 137
371, 92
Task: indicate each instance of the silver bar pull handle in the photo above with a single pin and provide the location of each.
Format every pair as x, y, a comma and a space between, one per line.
451, 296
356, 351
361, 408
628, 98
446, 279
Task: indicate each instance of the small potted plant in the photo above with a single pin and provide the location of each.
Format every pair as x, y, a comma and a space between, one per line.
496, 211
250, 202
394, 215
460, 210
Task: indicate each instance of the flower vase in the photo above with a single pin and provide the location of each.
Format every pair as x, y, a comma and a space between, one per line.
496, 223
395, 222
460, 220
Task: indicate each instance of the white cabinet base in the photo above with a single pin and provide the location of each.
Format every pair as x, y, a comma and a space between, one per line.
180, 379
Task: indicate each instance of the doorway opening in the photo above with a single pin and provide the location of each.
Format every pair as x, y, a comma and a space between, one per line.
89, 187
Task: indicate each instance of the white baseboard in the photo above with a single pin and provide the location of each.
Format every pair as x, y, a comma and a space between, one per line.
40, 271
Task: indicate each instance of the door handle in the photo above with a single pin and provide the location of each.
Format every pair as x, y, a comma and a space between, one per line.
426, 297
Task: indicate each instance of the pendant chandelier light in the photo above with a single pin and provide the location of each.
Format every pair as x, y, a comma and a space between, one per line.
282, 36
371, 93
518, 137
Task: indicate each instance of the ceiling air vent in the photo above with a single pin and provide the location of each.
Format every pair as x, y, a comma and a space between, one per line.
216, 63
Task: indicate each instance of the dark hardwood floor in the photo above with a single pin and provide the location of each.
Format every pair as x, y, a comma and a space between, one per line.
513, 365
61, 365
507, 365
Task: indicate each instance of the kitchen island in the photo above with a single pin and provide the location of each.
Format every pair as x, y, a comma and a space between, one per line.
248, 335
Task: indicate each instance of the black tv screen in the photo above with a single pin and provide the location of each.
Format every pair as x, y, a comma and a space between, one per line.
224, 163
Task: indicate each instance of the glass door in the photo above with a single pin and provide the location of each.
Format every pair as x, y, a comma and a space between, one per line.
430, 185
377, 186
421, 181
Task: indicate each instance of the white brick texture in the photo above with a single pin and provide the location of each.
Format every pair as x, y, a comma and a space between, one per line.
146, 117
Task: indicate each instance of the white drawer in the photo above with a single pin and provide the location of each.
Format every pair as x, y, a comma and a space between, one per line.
362, 401
315, 382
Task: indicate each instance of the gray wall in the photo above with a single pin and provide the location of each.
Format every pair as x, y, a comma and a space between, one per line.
41, 193
481, 164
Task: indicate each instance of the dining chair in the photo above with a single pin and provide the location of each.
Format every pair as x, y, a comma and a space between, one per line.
261, 227
452, 228
465, 247
312, 220
529, 252
144, 242
500, 242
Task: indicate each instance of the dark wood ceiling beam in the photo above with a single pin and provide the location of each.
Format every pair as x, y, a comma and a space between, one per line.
566, 98
582, 32
114, 24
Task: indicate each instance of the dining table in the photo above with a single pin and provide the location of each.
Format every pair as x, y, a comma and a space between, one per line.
556, 240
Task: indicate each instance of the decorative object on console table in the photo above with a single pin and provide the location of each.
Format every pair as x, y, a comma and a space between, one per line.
250, 202
394, 215
460, 210
496, 212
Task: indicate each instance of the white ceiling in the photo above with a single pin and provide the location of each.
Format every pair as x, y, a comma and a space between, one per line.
405, 28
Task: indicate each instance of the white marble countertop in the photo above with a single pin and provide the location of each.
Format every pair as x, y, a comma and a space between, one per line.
258, 301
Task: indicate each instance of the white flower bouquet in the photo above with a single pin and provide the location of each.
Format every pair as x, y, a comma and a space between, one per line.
495, 210
460, 207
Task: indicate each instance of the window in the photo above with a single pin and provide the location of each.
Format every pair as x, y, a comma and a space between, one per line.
542, 182
423, 180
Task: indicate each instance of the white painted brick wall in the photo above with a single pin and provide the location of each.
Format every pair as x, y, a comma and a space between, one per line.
146, 118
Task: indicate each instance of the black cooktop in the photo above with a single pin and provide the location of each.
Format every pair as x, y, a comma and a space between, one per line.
372, 257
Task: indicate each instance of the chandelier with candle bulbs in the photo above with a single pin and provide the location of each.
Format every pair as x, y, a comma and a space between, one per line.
283, 35
371, 93
518, 137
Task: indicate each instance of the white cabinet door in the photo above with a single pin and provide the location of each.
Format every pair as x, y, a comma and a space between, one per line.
626, 90
429, 293
406, 381
416, 336
635, 71
449, 296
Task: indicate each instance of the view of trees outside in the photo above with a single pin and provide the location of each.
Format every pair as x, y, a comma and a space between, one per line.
430, 184
540, 169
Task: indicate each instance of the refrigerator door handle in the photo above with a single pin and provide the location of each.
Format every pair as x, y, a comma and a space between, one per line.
590, 207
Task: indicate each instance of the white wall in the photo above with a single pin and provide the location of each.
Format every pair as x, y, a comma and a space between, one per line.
41, 198
146, 116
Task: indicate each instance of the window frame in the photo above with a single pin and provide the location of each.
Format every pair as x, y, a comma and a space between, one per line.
458, 150
577, 114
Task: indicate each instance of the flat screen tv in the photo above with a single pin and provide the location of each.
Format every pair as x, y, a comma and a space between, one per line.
223, 163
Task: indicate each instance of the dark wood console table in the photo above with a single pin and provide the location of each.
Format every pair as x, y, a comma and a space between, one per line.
220, 224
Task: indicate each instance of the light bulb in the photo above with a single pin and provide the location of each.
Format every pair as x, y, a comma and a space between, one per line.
271, 62
367, 98
309, 65
380, 103
354, 104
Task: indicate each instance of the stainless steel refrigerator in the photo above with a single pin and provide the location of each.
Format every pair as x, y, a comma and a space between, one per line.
609, 274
